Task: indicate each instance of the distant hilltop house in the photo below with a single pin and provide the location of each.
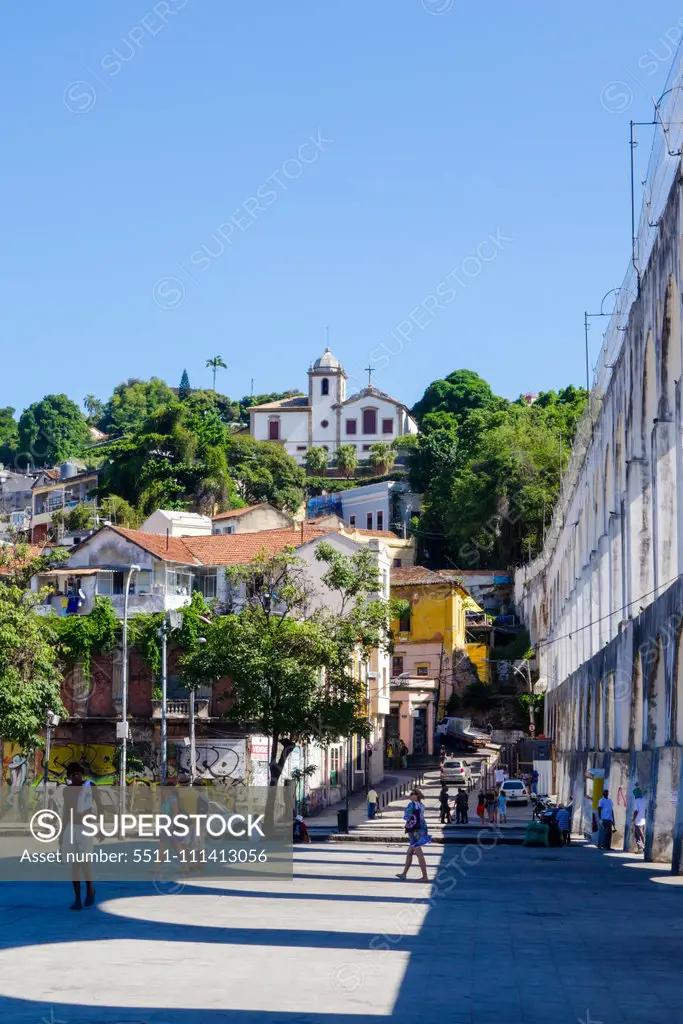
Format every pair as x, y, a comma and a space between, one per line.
326, 418
530, 397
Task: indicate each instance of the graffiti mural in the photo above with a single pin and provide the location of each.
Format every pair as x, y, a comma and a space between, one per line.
219, 759
99, 761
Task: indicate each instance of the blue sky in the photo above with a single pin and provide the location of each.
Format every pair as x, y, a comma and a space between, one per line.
137, 133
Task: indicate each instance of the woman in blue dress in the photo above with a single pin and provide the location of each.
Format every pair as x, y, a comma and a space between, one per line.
418, 836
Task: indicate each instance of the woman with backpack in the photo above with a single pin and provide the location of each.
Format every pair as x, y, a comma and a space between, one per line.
418, 836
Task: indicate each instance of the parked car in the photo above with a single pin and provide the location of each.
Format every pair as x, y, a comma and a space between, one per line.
515, 791
456, 771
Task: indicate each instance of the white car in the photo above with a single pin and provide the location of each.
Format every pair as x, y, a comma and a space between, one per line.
515, 791
455, 771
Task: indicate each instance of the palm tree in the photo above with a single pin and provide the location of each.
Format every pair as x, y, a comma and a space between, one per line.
92, 406
382, 456
346, 459
215, 364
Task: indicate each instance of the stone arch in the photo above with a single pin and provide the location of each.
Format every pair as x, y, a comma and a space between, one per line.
677, 710
533, 634
655, 702
649, 403
619, 460
590, 718
610, 715
608, 485
636, 730
671, 348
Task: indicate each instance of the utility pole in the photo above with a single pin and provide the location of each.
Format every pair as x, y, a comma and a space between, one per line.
122, 728
349, 757
193, 748
51, 722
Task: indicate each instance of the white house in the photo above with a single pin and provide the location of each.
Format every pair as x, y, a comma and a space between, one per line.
326, 418
251, 520
177, 523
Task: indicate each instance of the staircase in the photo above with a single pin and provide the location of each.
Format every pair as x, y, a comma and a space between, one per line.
389, 827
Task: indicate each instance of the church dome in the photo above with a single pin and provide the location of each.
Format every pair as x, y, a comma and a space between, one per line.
327, 362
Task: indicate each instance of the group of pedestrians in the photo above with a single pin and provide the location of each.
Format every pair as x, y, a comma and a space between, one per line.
397, 755
461, 806
492, 807
606, 825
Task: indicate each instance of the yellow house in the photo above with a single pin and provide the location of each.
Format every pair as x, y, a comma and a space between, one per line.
429, 642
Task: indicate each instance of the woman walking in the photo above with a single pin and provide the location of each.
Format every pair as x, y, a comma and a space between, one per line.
418, 836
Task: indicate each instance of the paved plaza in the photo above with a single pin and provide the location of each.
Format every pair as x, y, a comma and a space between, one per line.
506, 934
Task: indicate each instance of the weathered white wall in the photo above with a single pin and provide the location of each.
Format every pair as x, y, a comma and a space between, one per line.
604, 600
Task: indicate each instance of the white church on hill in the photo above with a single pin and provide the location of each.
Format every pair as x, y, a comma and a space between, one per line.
326, 418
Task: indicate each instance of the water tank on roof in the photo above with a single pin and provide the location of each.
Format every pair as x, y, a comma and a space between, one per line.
69, 469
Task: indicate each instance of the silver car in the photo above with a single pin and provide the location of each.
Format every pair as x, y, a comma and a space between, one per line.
455, 771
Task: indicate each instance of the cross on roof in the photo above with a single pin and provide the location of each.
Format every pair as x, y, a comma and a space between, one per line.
370, 371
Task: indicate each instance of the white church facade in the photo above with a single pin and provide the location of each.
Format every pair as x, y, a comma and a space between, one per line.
326, 418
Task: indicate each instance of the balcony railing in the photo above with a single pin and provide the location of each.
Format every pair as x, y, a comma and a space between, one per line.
180, 709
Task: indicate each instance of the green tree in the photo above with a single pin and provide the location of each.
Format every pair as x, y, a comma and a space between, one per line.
346, 459
263, 471
459, 394
29, 671
216, 363
51, 430
382, 456
176, 459
94, 408
9, 435
289, 651
489, 470
184, 389
316, 460
119, 512
132, 402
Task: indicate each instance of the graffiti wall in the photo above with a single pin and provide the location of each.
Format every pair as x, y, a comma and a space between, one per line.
15, 765
215, 759
99, 761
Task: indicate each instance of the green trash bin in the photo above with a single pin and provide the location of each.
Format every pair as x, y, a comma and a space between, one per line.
343, 821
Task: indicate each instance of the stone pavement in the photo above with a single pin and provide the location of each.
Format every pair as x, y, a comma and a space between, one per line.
506, 934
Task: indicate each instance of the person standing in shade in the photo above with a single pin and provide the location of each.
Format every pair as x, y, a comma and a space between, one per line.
390, 755
418, 836
563, 819
481, 807
534, 782
444, 808
606, 821
404, 756
461, 807
639, 808
372, 803
502, 808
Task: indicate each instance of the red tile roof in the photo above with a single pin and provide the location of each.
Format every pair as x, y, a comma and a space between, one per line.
239, 548
169, 549
8, 550
232, 512
414, 575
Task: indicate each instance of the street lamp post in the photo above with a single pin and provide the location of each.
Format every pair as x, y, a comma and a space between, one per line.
51, 722
123, 725
164, 690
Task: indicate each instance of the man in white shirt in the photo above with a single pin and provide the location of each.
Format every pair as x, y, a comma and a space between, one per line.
606, 818
639, 805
